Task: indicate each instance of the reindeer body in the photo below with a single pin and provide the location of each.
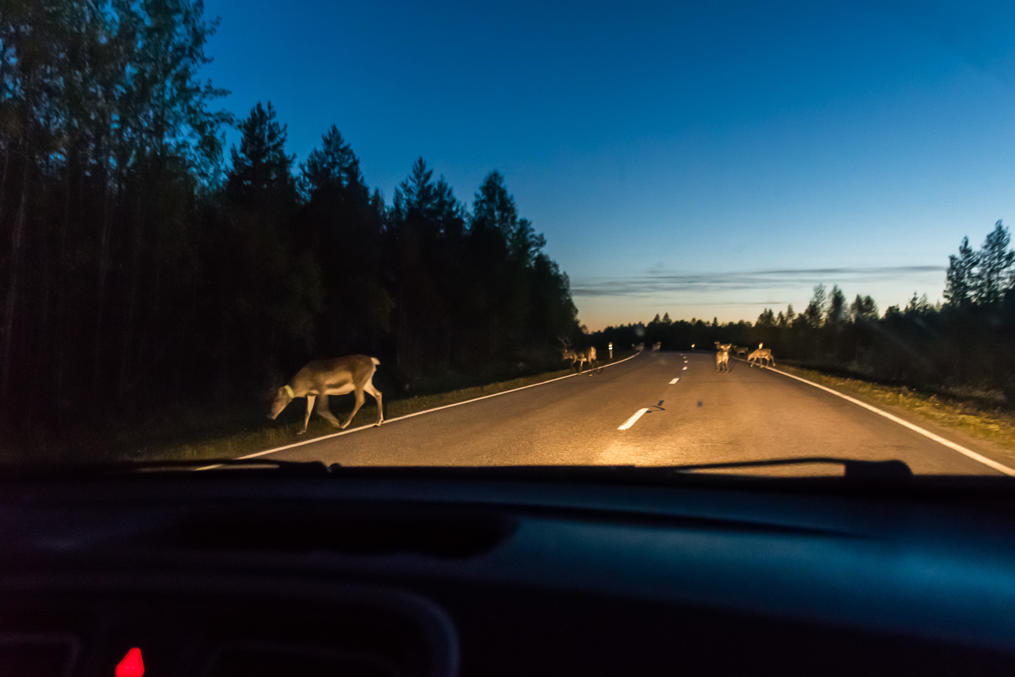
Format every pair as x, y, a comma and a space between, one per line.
586, 355
338, 376
762, 355
579, 357
722, 361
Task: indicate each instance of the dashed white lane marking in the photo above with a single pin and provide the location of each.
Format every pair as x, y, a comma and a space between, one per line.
389, 421
626, 425
1000, 467
684, 368
674, 380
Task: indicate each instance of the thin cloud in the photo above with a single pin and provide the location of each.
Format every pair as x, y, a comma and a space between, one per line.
657, 281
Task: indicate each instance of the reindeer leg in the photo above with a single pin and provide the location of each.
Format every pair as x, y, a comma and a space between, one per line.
324, 412
359, 403
376, 394
310, 408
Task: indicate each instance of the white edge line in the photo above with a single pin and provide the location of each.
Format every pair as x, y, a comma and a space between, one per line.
674, 380
626, 425
388, 421
1000, 467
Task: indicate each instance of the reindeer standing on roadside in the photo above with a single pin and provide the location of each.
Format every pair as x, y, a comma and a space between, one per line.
577, 358
762, 356
722, 361
339, 376
587, 355
567, 353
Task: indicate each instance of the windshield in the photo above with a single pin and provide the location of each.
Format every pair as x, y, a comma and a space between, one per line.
525, 233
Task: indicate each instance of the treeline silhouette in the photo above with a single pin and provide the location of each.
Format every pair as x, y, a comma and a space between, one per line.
965, 346
141, 269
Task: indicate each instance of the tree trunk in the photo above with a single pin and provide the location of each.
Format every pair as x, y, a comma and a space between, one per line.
103, 272
128, 324
7, 145
148, 339
17, 237
3, 181
64, 292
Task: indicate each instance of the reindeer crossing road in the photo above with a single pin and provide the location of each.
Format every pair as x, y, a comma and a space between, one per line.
339, 376
706, 417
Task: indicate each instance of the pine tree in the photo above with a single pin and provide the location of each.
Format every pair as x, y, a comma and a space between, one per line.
994, 272
836, 311
960, 280
261, 174
863, 309
815, 311
494, 208
342, 227
271, 287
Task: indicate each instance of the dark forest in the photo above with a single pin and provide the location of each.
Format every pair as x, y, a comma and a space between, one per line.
146, 267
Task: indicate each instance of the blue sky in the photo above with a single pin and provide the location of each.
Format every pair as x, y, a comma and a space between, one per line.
705, 159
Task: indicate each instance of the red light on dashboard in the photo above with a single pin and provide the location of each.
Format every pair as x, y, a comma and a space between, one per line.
131, 665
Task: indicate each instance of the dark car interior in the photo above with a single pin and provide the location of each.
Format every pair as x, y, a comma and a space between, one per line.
306, 570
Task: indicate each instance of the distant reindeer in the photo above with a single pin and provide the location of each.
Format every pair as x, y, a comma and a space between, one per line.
338, 376
656, 346
740, 351
586, 355
722, 361
762, 355
570, 354
579, 357
567, 353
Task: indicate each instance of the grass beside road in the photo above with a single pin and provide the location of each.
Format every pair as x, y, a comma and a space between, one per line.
995, 425
253, 438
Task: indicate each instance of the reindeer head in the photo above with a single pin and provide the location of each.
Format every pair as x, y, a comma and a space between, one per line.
283, 397
566, 351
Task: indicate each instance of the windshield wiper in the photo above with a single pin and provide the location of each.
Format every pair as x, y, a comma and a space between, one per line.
854, 469
892, 470
313, 468
293, 467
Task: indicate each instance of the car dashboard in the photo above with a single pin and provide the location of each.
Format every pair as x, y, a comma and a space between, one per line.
444, 572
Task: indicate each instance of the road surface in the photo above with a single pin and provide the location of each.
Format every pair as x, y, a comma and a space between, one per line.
694, 415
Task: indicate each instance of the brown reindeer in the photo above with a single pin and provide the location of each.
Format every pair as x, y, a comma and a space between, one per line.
338, 376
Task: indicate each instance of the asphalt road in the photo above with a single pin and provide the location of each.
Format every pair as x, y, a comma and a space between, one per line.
705, 417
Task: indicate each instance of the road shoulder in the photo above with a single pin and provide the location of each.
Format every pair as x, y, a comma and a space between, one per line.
987, 433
